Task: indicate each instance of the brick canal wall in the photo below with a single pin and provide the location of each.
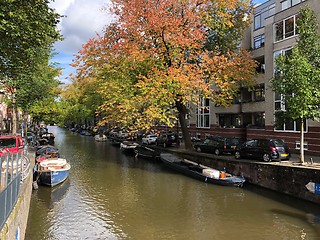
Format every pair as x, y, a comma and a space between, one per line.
283, 177
16, 224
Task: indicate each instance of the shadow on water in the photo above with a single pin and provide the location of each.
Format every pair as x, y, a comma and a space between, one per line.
53, 195
284, 199
308, 212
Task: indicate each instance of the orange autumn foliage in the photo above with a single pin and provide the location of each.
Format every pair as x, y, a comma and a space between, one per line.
158, 50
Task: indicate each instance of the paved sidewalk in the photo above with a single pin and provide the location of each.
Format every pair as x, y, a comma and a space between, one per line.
295, 157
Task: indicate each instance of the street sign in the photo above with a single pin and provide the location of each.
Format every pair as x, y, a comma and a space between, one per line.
313, 187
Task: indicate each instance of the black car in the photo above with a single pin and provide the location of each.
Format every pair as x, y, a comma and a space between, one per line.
167, 140
265, 149
218, 145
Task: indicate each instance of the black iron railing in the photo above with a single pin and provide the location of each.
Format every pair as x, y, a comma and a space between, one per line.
15, 168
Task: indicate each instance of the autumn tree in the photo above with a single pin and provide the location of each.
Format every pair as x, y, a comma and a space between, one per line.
158, 58
27, 32
298, 76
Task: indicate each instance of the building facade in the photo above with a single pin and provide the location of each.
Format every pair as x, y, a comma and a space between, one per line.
272, 32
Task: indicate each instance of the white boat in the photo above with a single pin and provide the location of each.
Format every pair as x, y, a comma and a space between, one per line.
100, 137
128, 147
53, 171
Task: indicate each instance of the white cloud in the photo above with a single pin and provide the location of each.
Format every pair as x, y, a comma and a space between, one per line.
83, 20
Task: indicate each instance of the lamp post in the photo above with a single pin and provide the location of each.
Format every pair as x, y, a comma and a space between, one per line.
2, 110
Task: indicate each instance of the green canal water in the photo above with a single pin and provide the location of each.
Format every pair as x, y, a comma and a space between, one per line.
110, 195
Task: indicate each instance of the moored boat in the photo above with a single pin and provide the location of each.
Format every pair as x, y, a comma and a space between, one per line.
128, 147
53, 171
146, 152
100, 137
201, 172
115, 141
49, 137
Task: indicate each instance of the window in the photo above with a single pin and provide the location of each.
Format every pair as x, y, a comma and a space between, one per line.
289, 27
258, 41
286, 28
254, 120
259, 93
305, 145
203, 113
290, 3
229, 120
279, 102
262, 14
246, 95
288, 124
259, 119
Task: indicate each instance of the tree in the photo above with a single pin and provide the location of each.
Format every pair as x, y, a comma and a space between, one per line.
158, 58
298, 75
27, 32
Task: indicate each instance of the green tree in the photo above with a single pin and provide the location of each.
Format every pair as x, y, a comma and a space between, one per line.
297, 76
27, 31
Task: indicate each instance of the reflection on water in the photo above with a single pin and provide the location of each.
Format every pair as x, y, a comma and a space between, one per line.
110, 195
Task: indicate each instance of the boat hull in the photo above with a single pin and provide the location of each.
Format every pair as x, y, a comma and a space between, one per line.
146, 152
53, 178
195, 170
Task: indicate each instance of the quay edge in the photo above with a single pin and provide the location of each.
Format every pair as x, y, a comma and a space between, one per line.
16, 224
284, 177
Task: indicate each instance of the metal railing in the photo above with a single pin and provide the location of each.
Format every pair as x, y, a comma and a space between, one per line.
15, 168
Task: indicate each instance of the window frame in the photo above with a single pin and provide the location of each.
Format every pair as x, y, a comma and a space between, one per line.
289, 4
262, 15
280, 33
259, 40
203, 113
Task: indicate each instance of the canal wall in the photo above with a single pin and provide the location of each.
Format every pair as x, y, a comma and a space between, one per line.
16, 224
284, 177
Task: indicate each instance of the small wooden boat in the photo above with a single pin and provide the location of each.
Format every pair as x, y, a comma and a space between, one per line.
200, 172
146, 152
52, 171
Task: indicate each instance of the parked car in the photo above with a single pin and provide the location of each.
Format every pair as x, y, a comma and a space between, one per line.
150, 139
12, 144
265, 149
217, 145
167, 140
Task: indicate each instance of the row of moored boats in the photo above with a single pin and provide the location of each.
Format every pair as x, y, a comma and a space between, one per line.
175, 162
50, 169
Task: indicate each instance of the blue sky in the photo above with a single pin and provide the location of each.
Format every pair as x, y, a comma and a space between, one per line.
84, 19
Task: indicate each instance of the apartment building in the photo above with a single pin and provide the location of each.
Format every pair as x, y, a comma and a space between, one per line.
273, 31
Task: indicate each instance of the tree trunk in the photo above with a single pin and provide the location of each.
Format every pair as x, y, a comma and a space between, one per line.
14, 115
182, 118
302, 142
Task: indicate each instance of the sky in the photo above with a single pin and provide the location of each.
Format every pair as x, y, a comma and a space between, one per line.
83, 20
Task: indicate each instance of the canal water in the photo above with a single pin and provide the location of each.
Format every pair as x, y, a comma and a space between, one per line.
110, 195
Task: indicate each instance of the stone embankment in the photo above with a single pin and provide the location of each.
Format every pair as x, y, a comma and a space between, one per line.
287, 177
